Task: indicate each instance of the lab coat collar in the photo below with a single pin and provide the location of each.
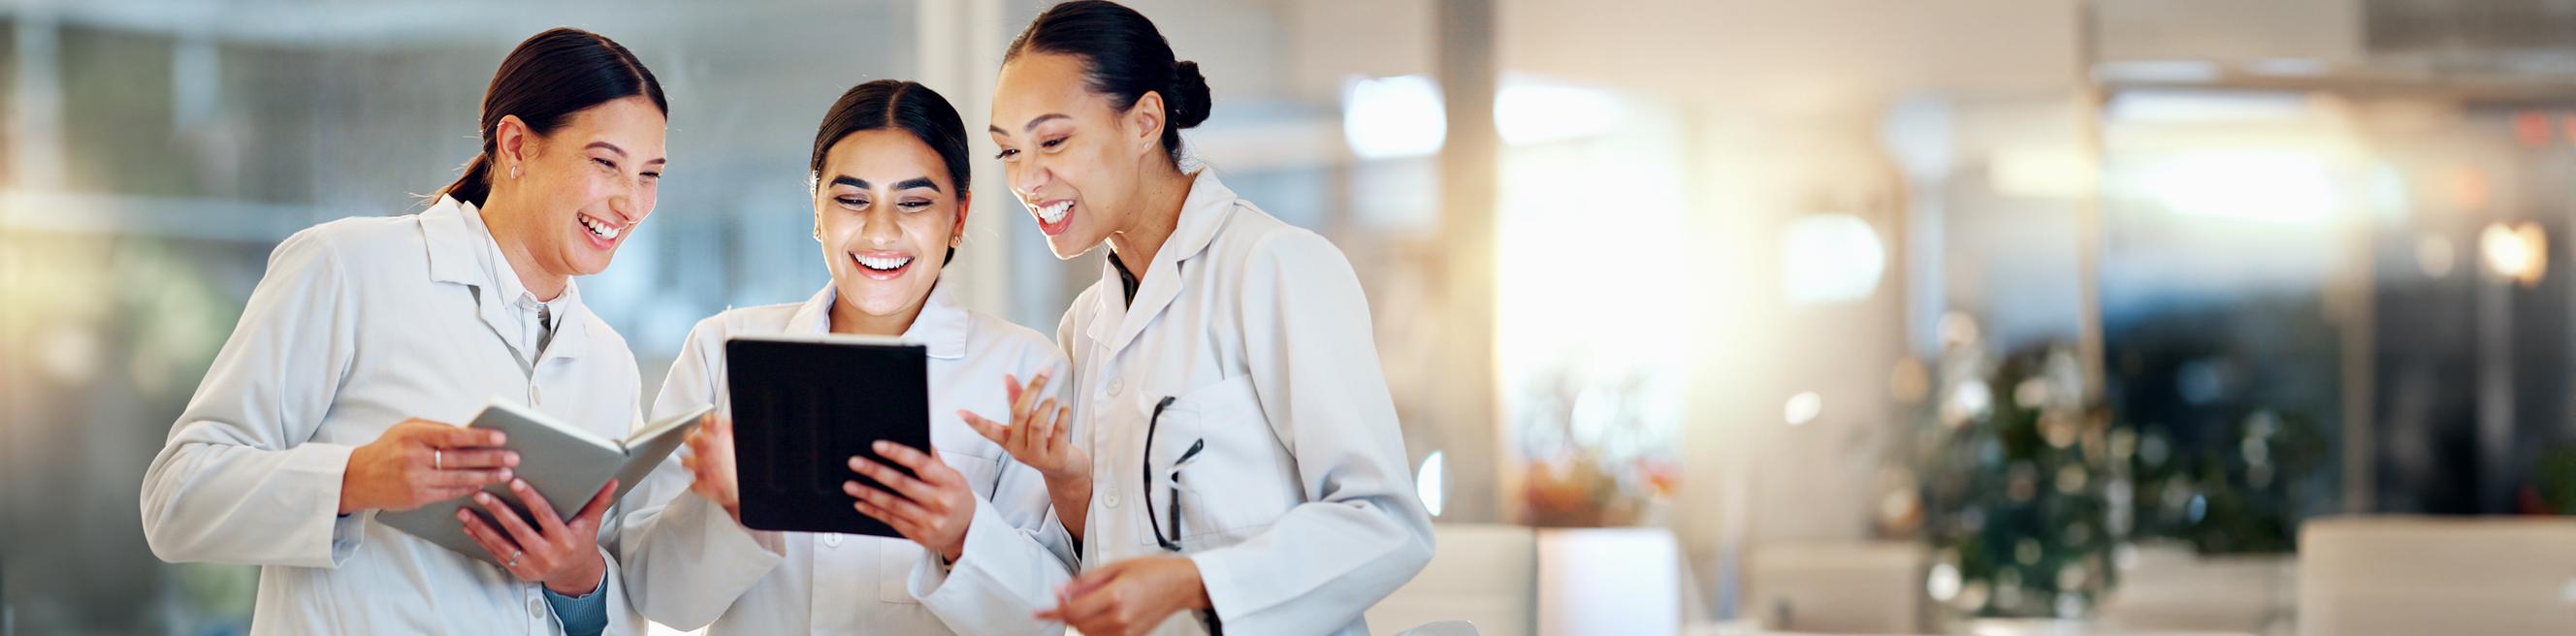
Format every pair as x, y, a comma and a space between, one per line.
943, 326
462, 251
1203, 213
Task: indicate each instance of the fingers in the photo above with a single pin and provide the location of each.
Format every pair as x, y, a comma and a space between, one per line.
443, 436
910, 487
516, 528
991, 430
466, 480
539, 510
1027, 401
888, 506
1089, 597
1011, 388
1049, 419
456, 458
502, 548
598, 507
910, 527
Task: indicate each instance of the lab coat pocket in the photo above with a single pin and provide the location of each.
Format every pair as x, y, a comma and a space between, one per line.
1239, 482
898, 555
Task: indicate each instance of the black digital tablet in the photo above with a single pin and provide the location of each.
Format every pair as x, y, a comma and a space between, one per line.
802, 405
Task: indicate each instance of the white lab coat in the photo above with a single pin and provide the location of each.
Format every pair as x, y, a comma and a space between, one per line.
689, 564
359, 324
1300, 512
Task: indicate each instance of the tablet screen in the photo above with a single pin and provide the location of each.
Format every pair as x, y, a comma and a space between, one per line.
802, 407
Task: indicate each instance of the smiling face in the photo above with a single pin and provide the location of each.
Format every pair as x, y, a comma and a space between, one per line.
1072, 159
581, 190
886, 213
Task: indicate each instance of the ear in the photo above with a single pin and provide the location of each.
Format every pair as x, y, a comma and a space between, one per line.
964, 200
1145, 121
511, 143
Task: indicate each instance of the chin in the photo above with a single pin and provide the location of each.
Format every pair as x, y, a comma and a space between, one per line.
1066, 248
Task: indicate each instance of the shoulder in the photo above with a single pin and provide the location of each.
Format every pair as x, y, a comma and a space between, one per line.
1256, 245
993, 336
332, 242
712, 330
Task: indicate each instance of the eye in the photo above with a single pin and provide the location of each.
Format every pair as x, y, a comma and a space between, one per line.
1052, 143
604, 163
652, 176
1007, 154
914, 206
851, 201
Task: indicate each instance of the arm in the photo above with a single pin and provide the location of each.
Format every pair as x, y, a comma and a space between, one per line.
1015, 556
686, 559
238, 480
1362, 531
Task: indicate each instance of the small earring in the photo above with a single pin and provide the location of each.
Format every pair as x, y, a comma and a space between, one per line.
514, 172
955, 241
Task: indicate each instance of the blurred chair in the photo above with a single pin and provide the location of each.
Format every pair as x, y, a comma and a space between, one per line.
1609, 581
2363, 576
1843, 586
1442, 628
2172, 588
1482, 574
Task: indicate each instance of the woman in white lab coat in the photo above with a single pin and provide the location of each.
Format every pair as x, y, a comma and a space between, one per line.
369, 339
890, 176
1240, 447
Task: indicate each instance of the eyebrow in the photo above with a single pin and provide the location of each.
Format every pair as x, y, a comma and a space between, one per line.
621, 152
907, 184
1033, 123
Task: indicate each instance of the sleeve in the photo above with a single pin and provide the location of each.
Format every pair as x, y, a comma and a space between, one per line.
585, 615
1016, 555
238, 480
685, 559
1362, 531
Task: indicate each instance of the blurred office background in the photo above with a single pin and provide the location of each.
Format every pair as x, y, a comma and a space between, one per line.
1703, 316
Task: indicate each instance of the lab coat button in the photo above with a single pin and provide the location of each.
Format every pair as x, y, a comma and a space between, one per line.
537, 607
1115, 385
831, 541
1112, 498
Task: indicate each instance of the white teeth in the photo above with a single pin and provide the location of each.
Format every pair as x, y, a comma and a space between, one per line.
1054, 213
883, 264
601, 230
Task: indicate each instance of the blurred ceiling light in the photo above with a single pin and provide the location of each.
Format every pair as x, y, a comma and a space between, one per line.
1830, 258
1803, 408
2435, 255
2041, 173
1391, 117
2156, 72
2277, 186
2190, 106
2518, 253
1529, 112
1431, 483
2290, 66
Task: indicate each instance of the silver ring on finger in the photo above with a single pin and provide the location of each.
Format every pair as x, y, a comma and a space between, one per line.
438, 458
514, 558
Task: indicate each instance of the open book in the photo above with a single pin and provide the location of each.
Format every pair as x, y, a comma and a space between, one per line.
563, 462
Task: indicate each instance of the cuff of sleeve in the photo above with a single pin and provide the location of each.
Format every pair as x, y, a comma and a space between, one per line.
585, 614
324, 465
723, 535
984, 542
1226, 596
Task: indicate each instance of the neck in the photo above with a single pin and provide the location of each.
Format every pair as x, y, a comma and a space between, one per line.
848, 320
1160, 212
545, 285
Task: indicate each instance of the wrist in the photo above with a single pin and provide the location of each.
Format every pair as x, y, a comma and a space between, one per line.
582, 583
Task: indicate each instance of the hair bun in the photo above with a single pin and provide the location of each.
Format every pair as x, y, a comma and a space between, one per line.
1189, 100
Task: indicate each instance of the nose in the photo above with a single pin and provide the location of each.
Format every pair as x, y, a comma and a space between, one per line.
1026, 181
878, 229
630, 203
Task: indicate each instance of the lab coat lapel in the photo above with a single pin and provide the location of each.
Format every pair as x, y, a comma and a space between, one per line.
1203, 213
456, 256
